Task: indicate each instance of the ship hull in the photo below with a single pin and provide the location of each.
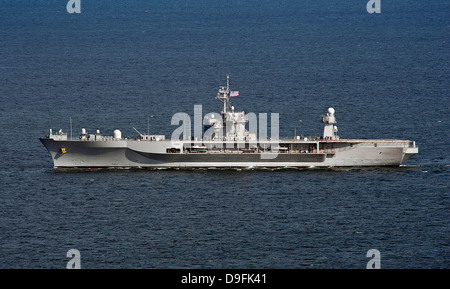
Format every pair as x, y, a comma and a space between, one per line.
153, 154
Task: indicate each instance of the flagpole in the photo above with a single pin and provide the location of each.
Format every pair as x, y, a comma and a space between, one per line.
228, 90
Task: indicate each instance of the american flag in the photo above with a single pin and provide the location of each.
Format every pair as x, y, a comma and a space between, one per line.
234, 93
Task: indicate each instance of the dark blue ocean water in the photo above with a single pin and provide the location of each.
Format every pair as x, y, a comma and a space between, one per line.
118, 62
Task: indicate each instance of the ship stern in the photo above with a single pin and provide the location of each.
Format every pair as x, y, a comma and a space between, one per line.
409, 151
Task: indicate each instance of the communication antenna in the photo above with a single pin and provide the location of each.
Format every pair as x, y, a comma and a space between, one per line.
223, 94
70, 120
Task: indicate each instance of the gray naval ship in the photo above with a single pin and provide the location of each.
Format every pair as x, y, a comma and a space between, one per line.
226, 144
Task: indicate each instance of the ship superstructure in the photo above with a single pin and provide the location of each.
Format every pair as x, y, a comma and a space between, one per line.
226, 143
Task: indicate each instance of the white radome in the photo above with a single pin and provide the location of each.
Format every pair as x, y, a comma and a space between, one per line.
117, 134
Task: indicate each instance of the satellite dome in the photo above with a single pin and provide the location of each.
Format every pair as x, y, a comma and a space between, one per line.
117, 134
331, 110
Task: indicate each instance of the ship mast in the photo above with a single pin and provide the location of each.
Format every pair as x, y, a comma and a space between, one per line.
223, 95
